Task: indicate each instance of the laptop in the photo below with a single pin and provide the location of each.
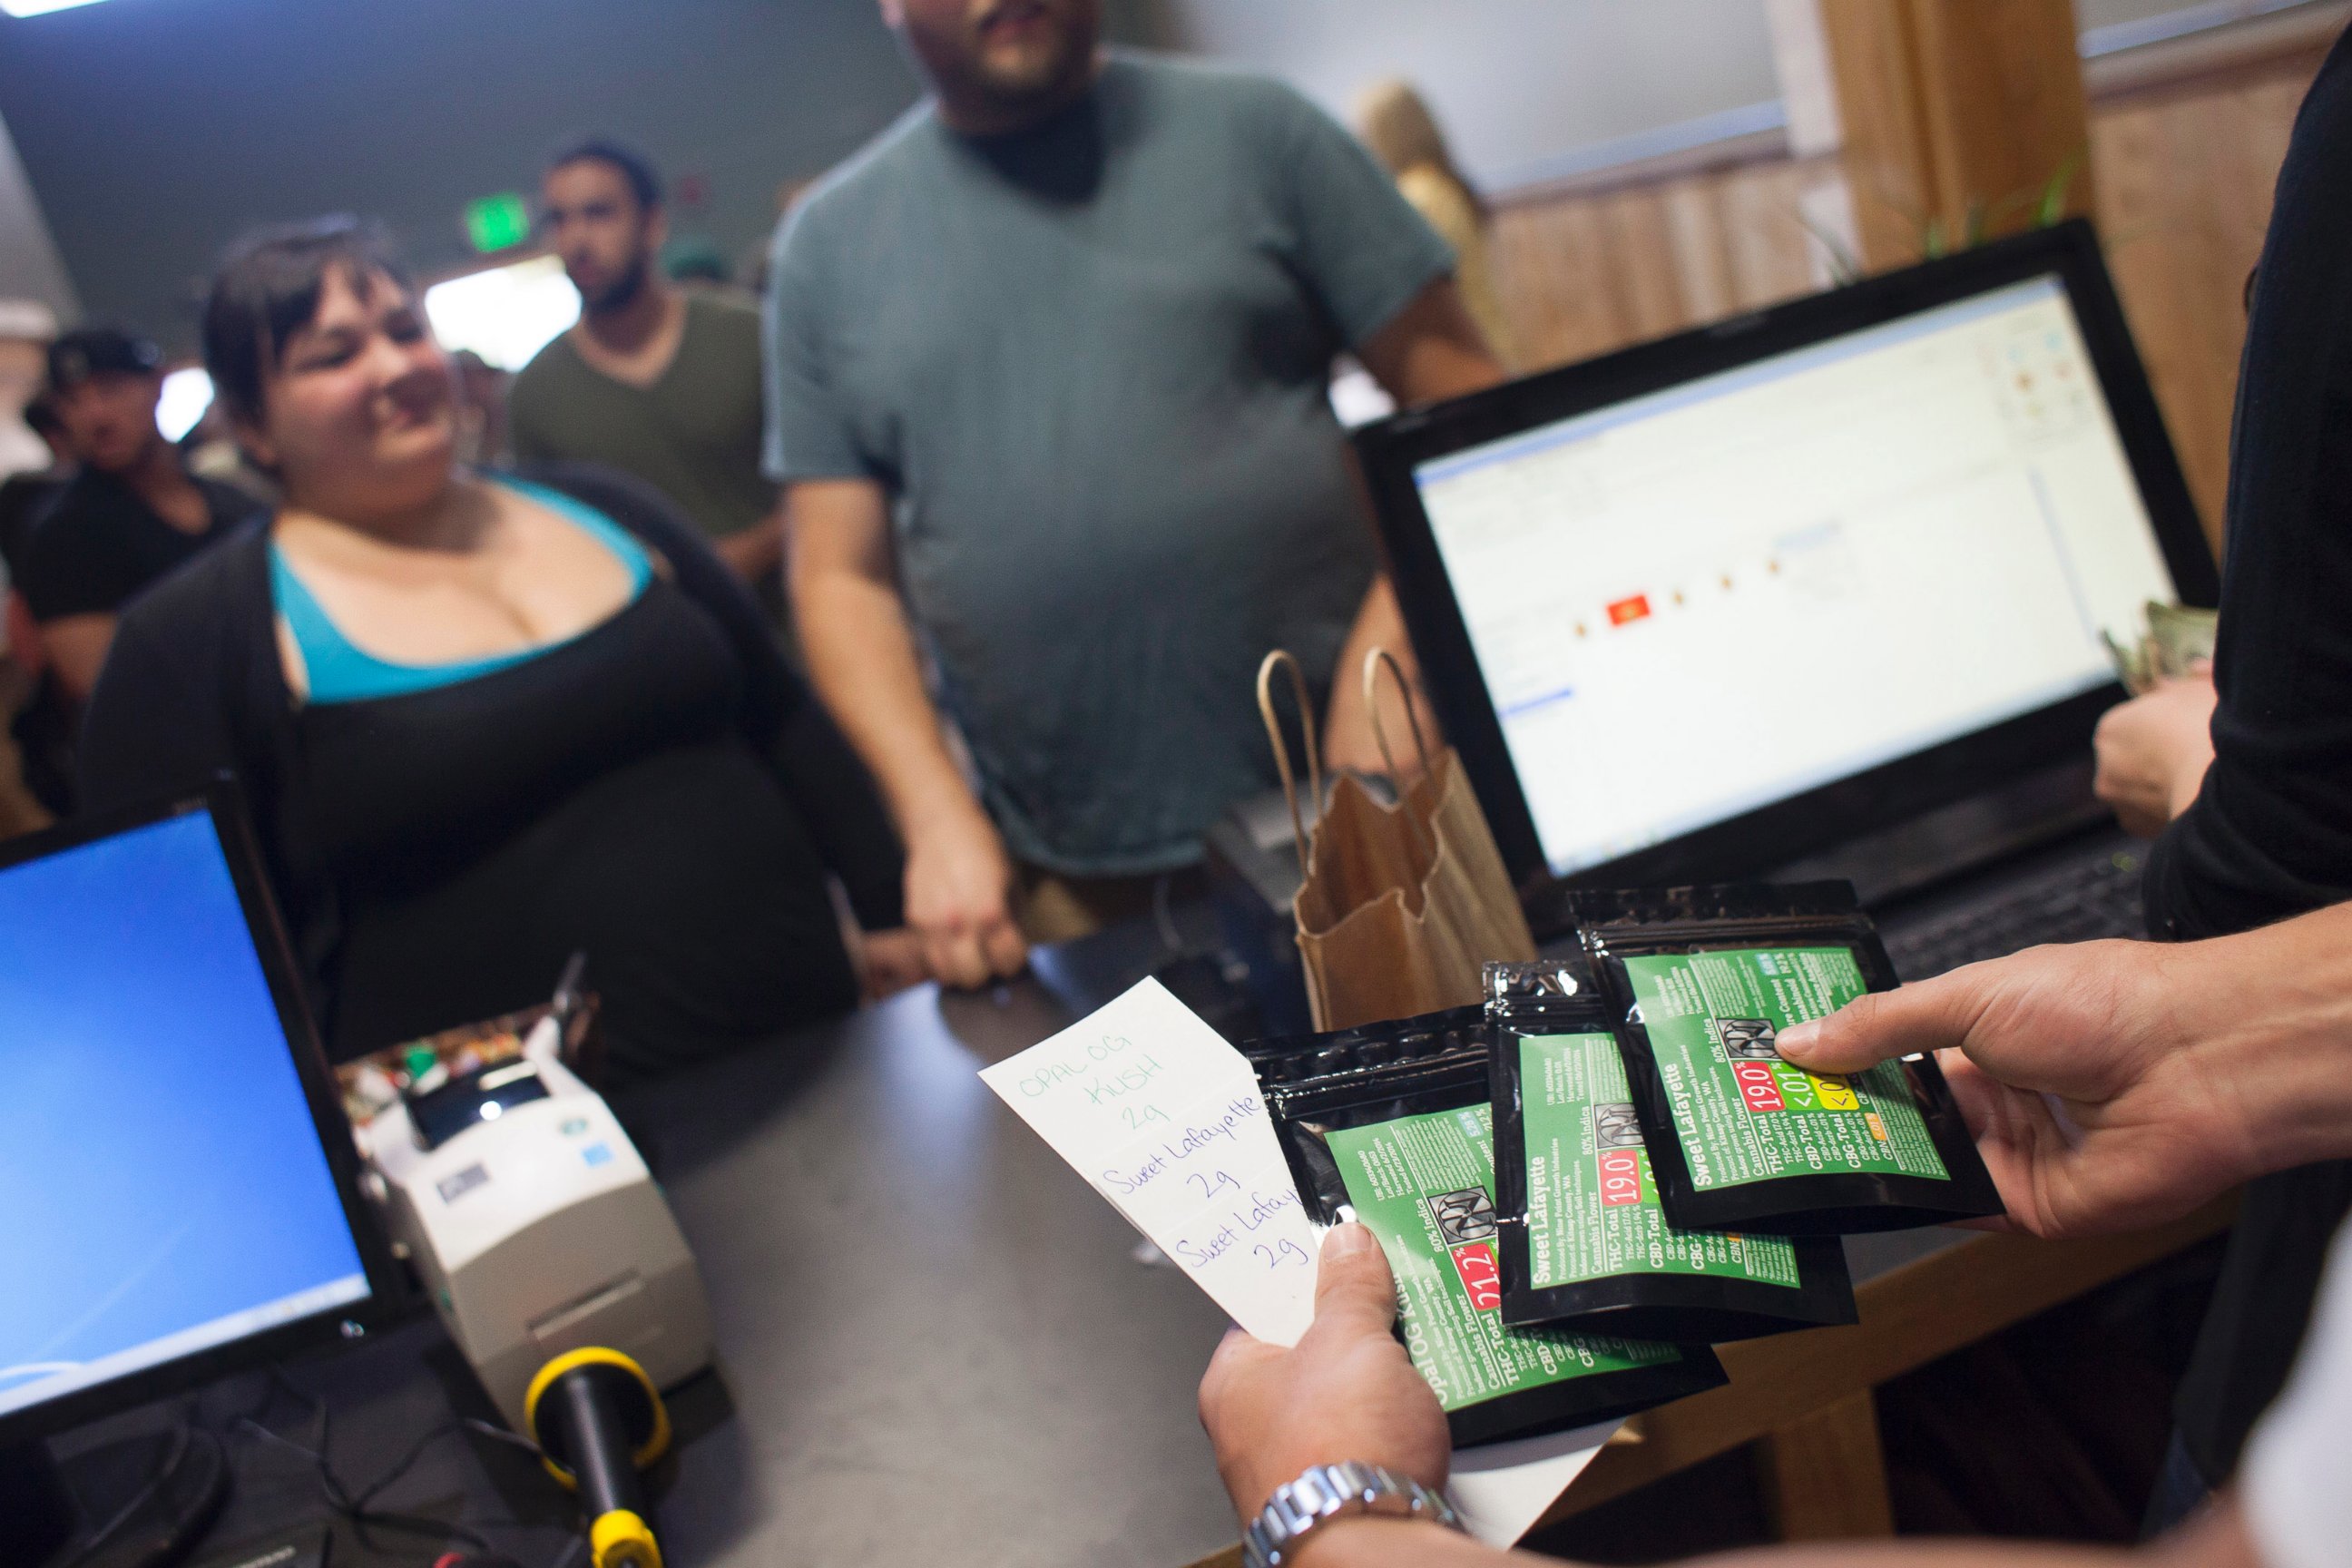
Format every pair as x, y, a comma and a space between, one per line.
1822, 590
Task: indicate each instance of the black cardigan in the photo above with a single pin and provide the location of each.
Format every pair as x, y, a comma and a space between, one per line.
2271, 833
193, 688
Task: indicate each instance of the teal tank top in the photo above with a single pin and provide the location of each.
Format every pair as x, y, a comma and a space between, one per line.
342, 672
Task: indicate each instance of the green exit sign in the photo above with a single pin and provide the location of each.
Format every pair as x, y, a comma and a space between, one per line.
498, 223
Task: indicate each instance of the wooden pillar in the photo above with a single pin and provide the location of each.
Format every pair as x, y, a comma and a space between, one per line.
1956, 116
1822, 1477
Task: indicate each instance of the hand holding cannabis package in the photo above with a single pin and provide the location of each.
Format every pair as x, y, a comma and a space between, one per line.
1704, 979
1391, 1122
1584, 1243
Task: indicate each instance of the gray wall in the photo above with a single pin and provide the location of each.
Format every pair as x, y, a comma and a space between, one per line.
30, 267
155, 131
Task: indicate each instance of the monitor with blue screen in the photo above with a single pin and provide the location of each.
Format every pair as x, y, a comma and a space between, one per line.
178, 1182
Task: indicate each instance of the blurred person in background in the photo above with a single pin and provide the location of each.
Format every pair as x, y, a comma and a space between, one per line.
1403, 135
1047, 365
696, 263
26, 493
654, 380
35, 725
484, 722
129, 515
26, 328
31, 460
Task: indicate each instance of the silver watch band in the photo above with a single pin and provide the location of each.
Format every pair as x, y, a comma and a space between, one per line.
1336, 1491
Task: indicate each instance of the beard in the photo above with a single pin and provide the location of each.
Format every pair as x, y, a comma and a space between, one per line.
1014, 81
115, 455
622, 291
1034, 78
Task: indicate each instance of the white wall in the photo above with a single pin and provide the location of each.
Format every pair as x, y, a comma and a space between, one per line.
2111, 25
1519, 85
2106, 13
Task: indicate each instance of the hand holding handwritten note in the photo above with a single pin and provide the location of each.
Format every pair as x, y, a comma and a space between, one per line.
1154, 1108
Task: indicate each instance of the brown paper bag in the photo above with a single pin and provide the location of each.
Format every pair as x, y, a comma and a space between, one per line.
1402, 905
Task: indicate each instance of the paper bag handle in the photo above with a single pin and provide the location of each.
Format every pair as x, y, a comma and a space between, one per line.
1375, 660
1281, 657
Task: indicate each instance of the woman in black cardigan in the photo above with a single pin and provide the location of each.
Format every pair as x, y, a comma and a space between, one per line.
486, 722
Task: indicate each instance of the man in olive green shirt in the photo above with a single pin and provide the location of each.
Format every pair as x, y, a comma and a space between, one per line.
652, 381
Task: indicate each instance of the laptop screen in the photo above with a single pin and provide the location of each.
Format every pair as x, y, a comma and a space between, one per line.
160, 1171
1705, 600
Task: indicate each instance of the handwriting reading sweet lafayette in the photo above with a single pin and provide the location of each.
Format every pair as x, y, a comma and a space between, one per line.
1163, 1118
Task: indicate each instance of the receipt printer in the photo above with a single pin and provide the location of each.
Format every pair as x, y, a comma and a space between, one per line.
535, 1225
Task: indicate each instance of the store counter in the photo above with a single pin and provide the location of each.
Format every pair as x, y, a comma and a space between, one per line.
937, 1344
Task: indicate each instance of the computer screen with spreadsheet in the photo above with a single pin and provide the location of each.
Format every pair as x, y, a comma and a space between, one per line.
1692, 604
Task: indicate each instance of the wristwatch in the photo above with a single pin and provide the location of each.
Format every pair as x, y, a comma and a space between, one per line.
1336, 1491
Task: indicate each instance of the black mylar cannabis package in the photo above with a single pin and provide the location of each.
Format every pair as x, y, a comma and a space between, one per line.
1704, 979
1391, 1122
1584, 1243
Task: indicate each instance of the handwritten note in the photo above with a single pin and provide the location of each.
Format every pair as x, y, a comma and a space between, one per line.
1154, 1107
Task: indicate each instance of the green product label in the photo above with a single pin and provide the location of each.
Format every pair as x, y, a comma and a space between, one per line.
1425, 1186
1592, 1208
1742, 1113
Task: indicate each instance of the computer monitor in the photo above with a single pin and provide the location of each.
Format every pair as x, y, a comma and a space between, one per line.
177, 1177
1697, 609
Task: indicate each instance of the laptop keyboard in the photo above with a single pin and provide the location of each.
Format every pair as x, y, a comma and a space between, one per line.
2080, 895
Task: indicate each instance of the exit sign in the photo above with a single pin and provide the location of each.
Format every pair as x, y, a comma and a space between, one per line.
498, 223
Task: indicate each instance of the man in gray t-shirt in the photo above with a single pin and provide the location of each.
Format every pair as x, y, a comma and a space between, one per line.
1046, 369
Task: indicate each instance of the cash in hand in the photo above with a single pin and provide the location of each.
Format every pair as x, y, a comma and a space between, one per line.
2177, 641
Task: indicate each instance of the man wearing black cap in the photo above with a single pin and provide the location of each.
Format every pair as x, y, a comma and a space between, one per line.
131, 514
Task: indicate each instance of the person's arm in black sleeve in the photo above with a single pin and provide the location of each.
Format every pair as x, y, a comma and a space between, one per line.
824, 777
2269, 834
154, 725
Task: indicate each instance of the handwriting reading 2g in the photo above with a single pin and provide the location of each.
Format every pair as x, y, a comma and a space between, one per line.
1142, 1116
1280, 1253
1209, 1186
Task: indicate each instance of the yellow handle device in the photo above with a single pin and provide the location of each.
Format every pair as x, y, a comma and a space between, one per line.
598, 1420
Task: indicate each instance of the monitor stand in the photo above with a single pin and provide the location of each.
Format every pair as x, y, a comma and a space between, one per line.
38, 1493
